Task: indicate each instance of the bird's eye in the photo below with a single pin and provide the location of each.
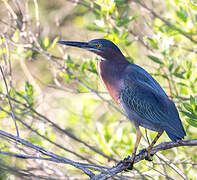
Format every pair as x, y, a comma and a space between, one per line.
98, 45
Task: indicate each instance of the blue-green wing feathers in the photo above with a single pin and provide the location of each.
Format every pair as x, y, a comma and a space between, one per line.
144, 96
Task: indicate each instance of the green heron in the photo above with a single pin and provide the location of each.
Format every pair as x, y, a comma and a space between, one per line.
139, 95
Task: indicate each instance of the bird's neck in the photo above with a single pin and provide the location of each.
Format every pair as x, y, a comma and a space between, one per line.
112, 68
111, 73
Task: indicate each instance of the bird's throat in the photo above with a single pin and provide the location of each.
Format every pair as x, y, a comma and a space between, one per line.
111, 75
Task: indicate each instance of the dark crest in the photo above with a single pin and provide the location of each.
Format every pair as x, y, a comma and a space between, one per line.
106, 44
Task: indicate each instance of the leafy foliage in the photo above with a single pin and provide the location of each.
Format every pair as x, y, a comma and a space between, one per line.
60, 102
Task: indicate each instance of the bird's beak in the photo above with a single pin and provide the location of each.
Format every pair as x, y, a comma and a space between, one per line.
84, 45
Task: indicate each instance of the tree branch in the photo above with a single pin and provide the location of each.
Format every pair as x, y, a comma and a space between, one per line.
87, 168
9, 101
165, 21
56, 126
141, 156
81, 166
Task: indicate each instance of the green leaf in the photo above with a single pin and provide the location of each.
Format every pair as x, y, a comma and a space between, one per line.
182, 84
28, 54
16, 36
177, 69
67, 77
116, 31
52, 45
155, 59
2, 40
93, 67
192, 122
152, 42
182, 14
28, 89
95, 28
171, 67
29, 96
192, 100
188, 107
82, 88
120, 3
192, 116
35, 140
84, 66
46, 42
179, 75
126, 21
3, 114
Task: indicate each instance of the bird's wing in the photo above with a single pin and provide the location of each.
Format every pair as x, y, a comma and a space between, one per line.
143, 95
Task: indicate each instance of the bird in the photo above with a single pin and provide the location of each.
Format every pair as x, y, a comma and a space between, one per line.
138, 94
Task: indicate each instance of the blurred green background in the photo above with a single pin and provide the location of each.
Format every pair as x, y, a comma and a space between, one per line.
60, 83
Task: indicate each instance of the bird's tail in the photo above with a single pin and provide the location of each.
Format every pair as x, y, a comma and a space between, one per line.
173, 137
174, 129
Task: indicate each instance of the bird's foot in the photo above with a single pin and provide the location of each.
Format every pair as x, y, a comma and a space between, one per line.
148, 157
128, 162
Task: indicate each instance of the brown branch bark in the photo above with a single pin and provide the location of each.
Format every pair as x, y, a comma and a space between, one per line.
141, 156
89, 169
56, 126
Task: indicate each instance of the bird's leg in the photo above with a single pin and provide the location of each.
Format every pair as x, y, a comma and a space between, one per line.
148, 149
138, 138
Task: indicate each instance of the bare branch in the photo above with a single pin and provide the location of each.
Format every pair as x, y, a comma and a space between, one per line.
9, 101
121, 166
48, 153
64, 131
141, 156
37, 17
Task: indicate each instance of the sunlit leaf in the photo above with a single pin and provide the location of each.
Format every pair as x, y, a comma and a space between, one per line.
188, 107
152, 42
46, 42
126, 20
192, 122
52, 45
182, 14
155, 59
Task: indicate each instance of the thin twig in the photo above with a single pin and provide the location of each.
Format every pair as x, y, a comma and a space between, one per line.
165, 21
141, 156
109, 172
37, 17
175, 168
64, 131
9, 101
47, 153
47, 139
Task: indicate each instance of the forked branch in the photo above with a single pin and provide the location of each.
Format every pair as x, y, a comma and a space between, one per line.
89, 169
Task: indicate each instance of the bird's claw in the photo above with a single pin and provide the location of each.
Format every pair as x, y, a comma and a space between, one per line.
130, 166
128, 158
148, 157
128, 163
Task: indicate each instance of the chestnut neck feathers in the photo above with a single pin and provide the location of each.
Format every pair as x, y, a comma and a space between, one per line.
111, 72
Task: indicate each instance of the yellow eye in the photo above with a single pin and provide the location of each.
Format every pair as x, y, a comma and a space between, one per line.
98, 45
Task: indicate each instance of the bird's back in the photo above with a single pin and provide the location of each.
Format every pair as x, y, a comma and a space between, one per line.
146, 103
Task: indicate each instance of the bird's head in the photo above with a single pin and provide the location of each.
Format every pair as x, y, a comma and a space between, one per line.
102, 47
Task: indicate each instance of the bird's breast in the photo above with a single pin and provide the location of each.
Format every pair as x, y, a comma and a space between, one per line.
111, 79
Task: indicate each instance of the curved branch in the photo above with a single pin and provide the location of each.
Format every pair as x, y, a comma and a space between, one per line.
64, 131
141, 156
81, 166
89, 169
